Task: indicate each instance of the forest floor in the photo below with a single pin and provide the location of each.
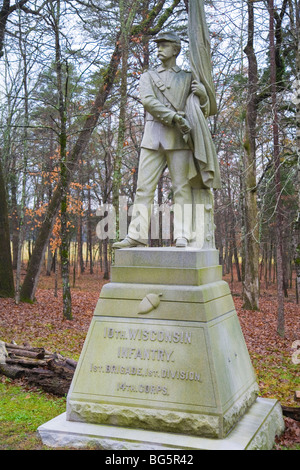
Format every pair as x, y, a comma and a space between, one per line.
41, 324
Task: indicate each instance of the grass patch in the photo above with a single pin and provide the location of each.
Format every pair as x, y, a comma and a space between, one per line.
22, 411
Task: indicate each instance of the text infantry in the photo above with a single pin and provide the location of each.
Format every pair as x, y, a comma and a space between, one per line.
144, 354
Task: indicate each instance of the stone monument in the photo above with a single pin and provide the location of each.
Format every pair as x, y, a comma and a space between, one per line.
165, 364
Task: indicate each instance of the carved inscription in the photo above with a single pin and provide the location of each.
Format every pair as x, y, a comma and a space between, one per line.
150, 335
146, 360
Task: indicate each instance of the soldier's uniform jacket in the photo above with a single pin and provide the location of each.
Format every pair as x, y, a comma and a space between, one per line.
156, 86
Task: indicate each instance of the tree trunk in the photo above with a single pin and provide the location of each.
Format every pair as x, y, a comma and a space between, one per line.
79, 240
296, 237
89, 230
14, 216
276, 153
49, 261
251, 275
232, 225
65, 267
25, 162
105, 259
7, 288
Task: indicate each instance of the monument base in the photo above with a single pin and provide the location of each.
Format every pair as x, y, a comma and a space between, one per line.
256, 430
165, 364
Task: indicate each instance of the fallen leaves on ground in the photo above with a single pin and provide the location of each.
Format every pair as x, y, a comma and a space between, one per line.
42, 324
291, 436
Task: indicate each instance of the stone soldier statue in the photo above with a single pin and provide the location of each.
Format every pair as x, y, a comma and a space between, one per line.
168, 139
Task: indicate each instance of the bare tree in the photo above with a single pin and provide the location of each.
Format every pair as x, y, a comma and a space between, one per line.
251, 280
295, 6
6, 272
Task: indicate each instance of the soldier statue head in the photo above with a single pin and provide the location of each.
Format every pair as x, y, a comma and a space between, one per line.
164, 41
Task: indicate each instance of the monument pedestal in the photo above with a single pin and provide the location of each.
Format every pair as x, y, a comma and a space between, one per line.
165, 364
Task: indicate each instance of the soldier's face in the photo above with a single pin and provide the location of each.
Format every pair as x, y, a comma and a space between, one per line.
165, 50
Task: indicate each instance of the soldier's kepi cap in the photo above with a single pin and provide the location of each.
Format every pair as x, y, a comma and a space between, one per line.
170, 37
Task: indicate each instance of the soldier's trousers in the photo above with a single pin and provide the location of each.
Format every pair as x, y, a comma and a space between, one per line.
152, 164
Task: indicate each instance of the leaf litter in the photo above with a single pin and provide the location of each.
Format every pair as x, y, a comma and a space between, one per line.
42, 324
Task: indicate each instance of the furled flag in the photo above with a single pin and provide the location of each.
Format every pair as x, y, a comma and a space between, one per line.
200, 54
201, 67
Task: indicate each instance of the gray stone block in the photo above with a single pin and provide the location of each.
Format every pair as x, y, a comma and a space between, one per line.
165, 357
256, 430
